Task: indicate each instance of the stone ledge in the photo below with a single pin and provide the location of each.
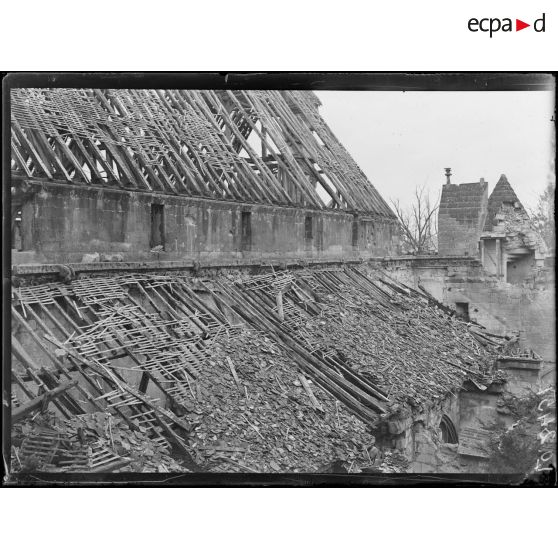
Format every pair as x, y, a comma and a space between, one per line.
40, 269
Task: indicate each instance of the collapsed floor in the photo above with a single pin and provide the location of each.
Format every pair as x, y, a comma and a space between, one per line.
289, 371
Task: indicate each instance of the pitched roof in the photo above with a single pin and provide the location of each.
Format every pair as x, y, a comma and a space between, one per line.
353, 343
502, 193
191, 143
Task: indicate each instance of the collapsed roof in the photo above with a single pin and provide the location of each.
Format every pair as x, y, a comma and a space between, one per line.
268, 147
271, 372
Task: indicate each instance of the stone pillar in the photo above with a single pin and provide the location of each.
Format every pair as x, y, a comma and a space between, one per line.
481, 242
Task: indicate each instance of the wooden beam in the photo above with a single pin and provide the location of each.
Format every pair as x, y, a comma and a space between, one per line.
25, 142
19, 413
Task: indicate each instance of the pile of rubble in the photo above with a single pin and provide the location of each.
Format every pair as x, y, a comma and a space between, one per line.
276, 372
92, 442
255, 412
410, 348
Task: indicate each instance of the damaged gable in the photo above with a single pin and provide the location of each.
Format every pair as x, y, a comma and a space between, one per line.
507, 215
503, 196
511, 247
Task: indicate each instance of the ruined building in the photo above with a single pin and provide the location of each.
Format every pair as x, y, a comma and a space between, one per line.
202, 282
197, 175
492, 265
496, 229
509, 246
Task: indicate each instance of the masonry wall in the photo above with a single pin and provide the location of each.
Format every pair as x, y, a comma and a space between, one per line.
522, 374
490, 257
62, 223
501, 307
461, 218
521, 269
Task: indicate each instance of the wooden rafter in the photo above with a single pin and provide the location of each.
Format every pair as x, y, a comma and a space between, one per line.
190, 143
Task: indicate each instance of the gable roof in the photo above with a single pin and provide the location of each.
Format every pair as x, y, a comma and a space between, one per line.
190, 143
502, 193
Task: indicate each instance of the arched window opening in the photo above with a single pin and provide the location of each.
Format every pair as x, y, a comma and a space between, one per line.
448, 431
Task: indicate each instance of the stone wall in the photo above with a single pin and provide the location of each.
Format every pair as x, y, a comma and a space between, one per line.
522, 373
476, 415
461, 218
62, 223
501, 307
416, 434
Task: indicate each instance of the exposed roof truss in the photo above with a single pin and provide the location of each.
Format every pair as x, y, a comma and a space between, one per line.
251, 146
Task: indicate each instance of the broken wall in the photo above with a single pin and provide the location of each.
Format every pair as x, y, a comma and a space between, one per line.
417, 435
501, 307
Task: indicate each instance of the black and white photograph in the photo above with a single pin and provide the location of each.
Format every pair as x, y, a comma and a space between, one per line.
346, 279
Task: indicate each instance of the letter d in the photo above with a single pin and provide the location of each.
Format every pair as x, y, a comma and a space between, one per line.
536, 24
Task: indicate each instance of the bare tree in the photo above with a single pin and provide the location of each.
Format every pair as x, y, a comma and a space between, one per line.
542, 217
418, 222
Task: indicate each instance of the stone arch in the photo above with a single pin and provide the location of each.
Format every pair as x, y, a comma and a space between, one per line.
448, 431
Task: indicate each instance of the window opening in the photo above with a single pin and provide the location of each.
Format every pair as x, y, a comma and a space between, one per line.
246, 231
462, 310
157, 239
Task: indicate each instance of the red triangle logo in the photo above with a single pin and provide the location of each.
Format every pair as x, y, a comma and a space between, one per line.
519, 25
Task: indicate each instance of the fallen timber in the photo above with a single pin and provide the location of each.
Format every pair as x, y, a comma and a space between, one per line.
346, 348
23, 410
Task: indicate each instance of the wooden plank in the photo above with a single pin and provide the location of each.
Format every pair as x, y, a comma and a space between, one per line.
37, 339
215, 179
41, 141
233, 372
294, 172
76, 144
280, 311
247, 174
334, 383
71, 157
148, 167
299, 178
309, 392
22, 355
22, 411
22, 163
25, 142
100, 158
303, 136
176, 148
43, 386
22, 385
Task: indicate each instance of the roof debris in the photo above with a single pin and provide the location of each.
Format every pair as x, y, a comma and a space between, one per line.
204, 374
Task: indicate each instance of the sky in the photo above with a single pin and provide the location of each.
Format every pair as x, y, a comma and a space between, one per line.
405, 139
